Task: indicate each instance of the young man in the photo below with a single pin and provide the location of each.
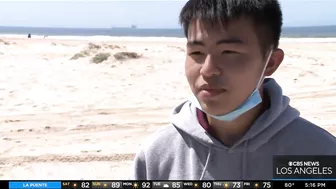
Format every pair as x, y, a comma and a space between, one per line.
237, 120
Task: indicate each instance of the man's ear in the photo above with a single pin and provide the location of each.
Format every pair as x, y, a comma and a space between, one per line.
274, 62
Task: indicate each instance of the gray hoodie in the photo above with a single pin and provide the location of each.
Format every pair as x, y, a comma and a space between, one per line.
185, 151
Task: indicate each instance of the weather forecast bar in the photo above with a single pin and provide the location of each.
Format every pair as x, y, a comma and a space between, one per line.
274, 184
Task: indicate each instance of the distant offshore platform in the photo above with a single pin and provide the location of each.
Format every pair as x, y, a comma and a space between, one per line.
132, 26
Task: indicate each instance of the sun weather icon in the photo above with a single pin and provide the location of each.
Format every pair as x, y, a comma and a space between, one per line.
135, 185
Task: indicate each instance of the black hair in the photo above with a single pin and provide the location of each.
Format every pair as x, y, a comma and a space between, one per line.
266, 16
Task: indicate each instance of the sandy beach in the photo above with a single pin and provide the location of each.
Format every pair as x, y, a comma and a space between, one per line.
62, 116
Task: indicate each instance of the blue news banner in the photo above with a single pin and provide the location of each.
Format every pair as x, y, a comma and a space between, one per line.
288, 172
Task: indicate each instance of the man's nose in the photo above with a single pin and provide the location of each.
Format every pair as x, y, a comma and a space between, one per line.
210, 67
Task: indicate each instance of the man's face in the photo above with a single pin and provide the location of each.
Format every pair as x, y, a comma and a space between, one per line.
223, 66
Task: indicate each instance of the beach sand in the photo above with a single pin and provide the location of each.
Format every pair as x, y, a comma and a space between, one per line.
74, 119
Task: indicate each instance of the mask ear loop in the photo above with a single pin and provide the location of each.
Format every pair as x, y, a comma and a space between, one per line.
261, 79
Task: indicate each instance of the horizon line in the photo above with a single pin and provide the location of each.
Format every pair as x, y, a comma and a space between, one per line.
120, 27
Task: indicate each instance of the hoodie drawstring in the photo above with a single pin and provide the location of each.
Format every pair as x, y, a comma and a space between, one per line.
244, 159
206, 164
244, 162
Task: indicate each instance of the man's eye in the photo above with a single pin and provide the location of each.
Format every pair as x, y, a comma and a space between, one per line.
229, 52
195, 53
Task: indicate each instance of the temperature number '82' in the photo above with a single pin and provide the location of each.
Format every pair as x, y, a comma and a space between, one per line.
85, 185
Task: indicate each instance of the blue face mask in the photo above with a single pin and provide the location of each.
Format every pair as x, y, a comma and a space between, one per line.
252, 101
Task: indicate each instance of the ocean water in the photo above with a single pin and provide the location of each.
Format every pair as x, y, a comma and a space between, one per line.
290, 32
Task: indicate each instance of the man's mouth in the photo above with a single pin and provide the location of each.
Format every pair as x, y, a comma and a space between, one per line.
210, 93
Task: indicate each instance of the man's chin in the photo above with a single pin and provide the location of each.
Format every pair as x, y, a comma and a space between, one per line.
214, 109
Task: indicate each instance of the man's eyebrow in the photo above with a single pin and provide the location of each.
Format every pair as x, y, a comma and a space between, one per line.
195, 43
233, 40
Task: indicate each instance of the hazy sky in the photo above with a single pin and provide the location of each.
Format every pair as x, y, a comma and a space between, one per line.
145, 14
